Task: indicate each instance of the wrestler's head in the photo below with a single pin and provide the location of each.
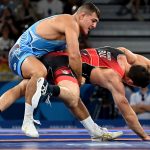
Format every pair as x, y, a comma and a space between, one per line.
139, 75
88, 17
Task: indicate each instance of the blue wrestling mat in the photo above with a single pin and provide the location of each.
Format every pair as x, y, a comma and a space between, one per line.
69, 139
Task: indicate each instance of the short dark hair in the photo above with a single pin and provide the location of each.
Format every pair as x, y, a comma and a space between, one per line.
89, 7
139, 75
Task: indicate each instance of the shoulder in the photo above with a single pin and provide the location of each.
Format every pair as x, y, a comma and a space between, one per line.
113, 74
108, 75
69, 22
65, 18
131, 57
114, 79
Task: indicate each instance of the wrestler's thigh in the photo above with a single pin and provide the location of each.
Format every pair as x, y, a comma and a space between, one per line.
71, 86
32, 66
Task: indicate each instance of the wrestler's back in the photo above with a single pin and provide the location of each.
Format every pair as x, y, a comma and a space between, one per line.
104, 57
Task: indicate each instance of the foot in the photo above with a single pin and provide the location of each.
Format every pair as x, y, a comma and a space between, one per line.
29, 129
105, 135
41, 93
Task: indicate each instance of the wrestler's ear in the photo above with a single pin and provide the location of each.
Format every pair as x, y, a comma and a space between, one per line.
81, 15
129, 81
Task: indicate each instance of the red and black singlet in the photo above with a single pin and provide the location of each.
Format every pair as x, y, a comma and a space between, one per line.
102, 57
57, 63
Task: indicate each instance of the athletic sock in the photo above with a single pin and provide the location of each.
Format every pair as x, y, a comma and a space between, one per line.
89, 124
28, 114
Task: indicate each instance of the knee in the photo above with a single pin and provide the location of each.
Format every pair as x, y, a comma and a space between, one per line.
74, 102
40, 73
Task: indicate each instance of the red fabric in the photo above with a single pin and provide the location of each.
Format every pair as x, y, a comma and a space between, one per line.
61, 78
103, 59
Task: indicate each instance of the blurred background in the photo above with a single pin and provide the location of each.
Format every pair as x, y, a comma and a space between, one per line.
123, 23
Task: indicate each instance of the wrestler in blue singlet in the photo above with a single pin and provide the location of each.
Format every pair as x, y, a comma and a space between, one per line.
31, 44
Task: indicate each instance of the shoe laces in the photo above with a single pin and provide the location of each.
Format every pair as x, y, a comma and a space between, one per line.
107, 136
104, 130
44, 89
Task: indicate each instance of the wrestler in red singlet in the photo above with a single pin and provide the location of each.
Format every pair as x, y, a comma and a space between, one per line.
100, 57
58, 64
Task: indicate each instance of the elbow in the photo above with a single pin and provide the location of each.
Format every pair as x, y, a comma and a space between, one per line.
74, 102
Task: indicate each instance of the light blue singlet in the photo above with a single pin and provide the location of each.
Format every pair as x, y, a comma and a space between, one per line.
29, 44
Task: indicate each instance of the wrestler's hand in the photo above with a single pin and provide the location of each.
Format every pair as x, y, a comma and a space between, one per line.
147, 138
79, 80
83, 81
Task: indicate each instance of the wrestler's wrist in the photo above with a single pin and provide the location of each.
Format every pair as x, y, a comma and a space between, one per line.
145, 137
79, 78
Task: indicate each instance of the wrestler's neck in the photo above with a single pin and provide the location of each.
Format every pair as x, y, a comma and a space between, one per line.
122, 61
76, 17
127, 68
124, 65
77, 20
126, 79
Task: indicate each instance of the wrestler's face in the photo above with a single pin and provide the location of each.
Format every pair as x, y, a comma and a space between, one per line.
88, 22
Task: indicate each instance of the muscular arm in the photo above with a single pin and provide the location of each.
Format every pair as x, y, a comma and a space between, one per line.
135, 58
129, 115
71, 32
110, 80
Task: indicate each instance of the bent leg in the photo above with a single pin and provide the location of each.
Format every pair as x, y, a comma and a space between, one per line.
32, 69
69, 93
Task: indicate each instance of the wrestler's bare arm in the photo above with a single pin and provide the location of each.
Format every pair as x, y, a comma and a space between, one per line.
135, 58
72, 33
118, 93
109, 79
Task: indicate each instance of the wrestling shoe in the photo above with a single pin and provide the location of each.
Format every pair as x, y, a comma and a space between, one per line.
29, 128
41, 93
105, 135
